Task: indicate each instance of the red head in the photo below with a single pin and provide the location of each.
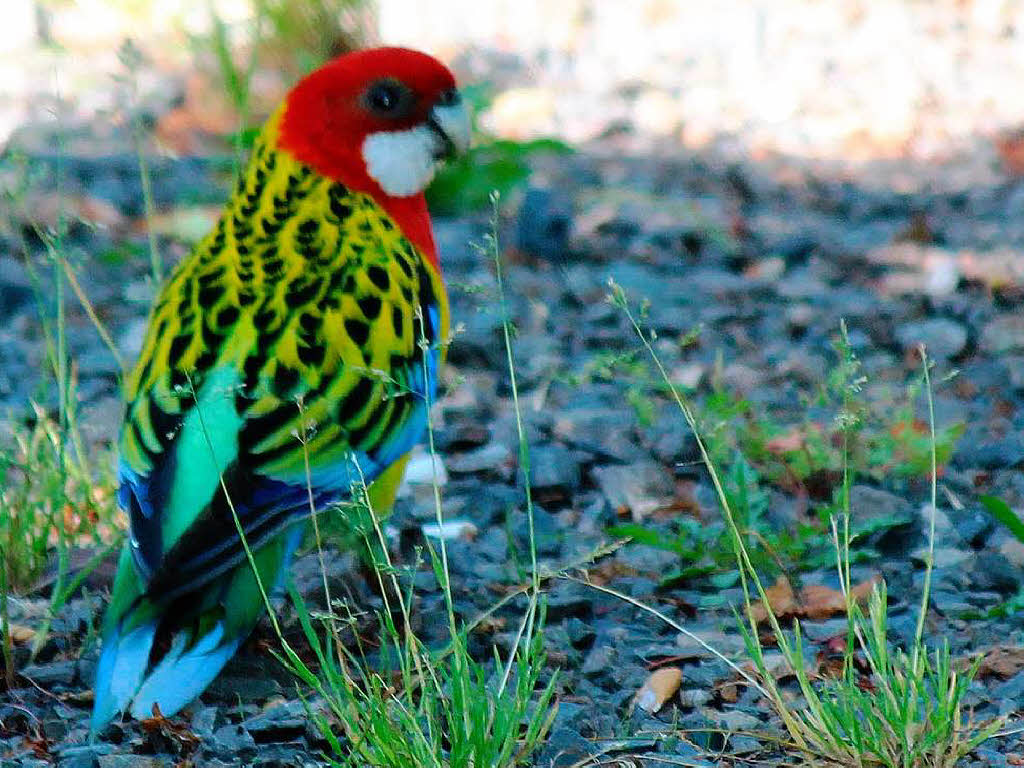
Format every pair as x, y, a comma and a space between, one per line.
379, 121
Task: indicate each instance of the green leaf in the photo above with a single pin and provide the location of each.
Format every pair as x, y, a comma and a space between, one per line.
642, 535
1002, 512
683, 575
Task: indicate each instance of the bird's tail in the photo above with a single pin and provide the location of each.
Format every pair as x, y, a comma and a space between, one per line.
204, 631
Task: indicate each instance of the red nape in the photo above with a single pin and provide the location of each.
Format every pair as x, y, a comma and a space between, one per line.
326, 121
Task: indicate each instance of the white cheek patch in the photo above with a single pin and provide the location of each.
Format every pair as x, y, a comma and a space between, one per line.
402, 162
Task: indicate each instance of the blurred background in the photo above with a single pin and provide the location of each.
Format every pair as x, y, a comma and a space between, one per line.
847, 80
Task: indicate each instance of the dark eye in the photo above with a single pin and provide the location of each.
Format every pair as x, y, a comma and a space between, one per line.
449, 98
386, 98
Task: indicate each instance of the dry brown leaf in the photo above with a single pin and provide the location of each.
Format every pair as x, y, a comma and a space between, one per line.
21, 634
48, 210
815, 601
1010, 146
659, 688
791, 441
820, 602
1002, 662
178, 734
780, 598
728, 692
861, 592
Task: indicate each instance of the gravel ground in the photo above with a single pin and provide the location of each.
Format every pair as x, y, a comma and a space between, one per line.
767, 267
765, 256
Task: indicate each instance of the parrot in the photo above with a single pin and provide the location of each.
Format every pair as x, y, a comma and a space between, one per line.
292, 355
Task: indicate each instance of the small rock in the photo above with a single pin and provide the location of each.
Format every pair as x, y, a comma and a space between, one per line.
203, 721
250, 688
284, 722
799, 317
734, 720
1004, 333
997, 454
943, 338
688, 375
424, 469
15, 287
886, 514
554, 473
944, 557
640, 488
544, 225
670, 438
134, 761
566, 748
693, 698
450, 530
567, 600
602, 431
950, 604
581, 634
130, 342
1012, 549
649, 560
993, 572
741, 378
83, 755
599, 661
800, 284
493, 458
234, 743
54, 673
696, 643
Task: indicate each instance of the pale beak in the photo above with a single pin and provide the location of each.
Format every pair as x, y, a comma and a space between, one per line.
450, 123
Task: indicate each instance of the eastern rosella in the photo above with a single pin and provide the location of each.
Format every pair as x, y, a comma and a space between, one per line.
285, 351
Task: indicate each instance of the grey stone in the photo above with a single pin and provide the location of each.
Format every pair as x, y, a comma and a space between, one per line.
599, 661
943, 338
888, 518
493, 458
994, 572
997, 454
554, 471
1015, 365
581, 634
602, 431
83, 755
234, 742
203, 721
734, 720
134, 761
544, 224
567, 600
950, 603
1003, 333
15, 287
230, 688
650, 560
693, 698
51, 674
281, 723
566, 748
640, 488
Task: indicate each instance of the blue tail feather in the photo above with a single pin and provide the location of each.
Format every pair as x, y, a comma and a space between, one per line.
120, 670
184, 672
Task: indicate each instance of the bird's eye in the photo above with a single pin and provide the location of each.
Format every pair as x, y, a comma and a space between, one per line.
449, 98
386, 98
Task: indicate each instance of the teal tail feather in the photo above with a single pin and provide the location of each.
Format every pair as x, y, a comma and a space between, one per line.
205, 630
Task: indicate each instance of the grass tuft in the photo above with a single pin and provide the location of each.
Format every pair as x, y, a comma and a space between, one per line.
888, 707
